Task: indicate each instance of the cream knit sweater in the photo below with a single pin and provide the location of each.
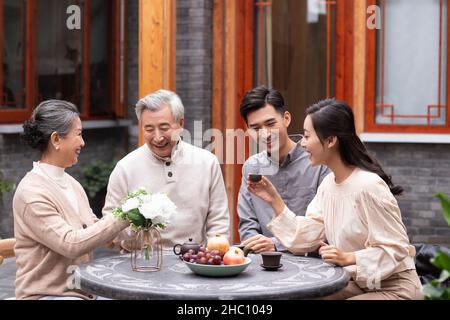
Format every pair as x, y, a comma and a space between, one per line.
52, 238
193, 180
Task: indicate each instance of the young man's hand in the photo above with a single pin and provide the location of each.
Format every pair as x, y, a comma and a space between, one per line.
259, 243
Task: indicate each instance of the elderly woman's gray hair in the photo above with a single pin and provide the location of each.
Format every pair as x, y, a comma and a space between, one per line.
158, 100
48, 117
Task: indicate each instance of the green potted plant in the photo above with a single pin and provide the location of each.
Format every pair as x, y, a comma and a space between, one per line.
436, 290
5, 186
95, 181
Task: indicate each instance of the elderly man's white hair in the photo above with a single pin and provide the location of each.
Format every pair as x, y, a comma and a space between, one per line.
158, 100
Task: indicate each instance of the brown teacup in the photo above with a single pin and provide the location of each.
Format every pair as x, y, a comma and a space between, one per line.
255, 177
271, 258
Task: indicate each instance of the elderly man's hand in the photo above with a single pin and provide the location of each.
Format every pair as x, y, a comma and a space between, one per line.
259, 243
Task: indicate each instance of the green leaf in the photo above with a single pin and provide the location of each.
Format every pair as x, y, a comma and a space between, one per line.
136, 218
433, 293
5, 185
444, 276
435, 283
118, 213
445, 203
446, 294
96, 176
442, 261
435, 289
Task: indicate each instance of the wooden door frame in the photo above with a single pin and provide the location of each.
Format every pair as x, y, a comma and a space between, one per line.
157, 47
232, 78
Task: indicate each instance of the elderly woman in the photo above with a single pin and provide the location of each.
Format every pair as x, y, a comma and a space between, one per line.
54, 226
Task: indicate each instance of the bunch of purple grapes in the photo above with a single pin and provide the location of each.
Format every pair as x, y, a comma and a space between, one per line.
203, 256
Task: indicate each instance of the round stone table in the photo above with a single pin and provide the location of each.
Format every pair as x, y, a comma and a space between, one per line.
299, 278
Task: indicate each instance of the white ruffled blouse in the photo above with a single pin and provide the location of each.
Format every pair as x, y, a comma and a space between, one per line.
359, 215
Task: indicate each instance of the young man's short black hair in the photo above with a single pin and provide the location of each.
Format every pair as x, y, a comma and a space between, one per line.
258, 98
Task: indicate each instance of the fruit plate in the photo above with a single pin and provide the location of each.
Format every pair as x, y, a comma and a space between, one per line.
218, 271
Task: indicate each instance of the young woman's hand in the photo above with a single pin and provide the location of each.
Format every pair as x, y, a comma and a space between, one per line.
333, 255
265, 190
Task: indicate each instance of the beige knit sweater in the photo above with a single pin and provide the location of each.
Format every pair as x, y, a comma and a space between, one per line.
52, 238
193, 180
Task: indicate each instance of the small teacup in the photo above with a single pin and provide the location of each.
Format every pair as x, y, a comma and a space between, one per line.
255, 177
271, 258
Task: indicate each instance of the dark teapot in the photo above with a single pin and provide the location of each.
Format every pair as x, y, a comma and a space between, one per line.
242, 247
185, 247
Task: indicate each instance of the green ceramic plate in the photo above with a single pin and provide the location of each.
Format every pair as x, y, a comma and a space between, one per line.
218, 271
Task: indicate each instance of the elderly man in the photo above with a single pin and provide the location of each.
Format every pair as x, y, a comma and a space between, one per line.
190, 176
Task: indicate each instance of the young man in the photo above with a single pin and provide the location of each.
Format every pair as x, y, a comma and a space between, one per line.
190, 176
284, 162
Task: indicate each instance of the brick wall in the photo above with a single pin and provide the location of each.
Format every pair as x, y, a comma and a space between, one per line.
194, 60
16, 159
132, 66
423, 170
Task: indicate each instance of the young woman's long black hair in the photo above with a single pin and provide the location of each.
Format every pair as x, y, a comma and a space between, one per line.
335, 118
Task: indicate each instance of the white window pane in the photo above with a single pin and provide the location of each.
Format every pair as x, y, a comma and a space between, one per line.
59, 53
411, 62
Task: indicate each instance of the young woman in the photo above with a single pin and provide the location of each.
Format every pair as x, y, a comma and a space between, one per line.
54, 226
354, 218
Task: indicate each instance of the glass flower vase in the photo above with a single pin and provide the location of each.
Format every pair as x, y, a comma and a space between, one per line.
146, 253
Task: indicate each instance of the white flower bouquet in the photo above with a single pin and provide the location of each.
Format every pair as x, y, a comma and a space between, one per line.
145, 210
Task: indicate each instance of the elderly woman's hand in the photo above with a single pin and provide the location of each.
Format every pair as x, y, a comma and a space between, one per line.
265, 190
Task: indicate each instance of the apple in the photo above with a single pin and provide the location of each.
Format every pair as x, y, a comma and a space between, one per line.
234, 256
219, 243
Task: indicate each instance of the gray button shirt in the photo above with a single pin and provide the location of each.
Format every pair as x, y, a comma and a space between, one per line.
296, 181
